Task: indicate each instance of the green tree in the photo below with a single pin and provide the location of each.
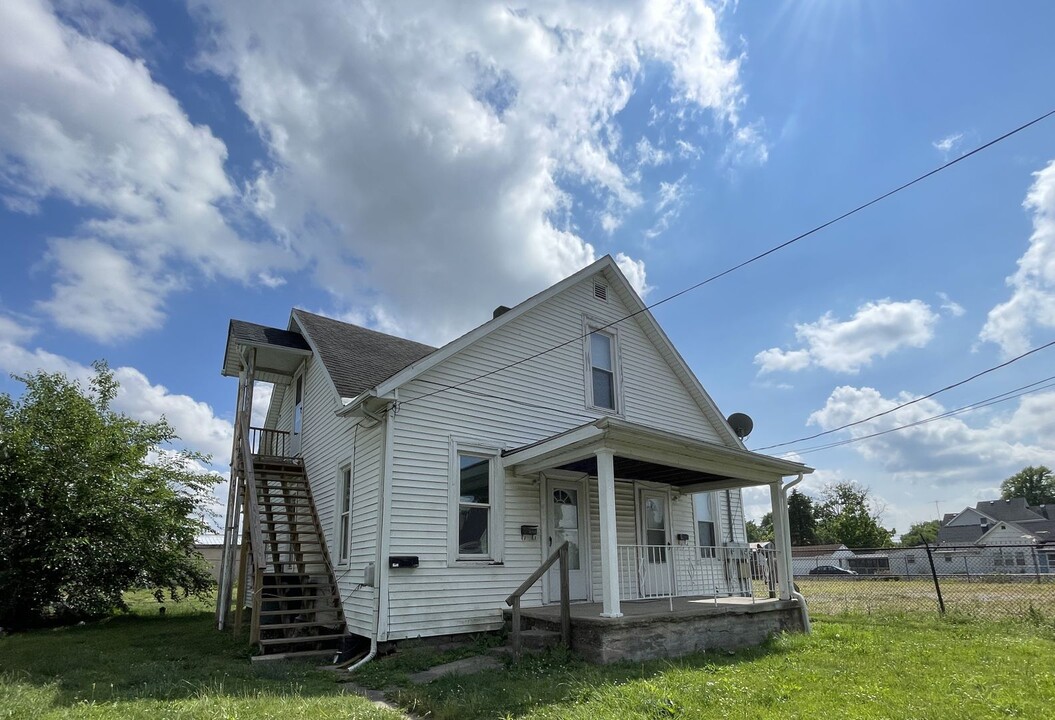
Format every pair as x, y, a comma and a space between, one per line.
918, 532
92, 503
849, 516
802, 523
1035, 484
757, 532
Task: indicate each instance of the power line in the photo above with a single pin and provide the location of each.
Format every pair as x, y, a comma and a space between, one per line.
995, 399
910, 402
744, 263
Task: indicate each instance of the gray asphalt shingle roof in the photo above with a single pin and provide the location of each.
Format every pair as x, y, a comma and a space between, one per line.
263, 335
356, 358
1007, 510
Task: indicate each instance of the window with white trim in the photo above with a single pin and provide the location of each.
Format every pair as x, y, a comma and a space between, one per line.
344, 519
476, 498
602, 370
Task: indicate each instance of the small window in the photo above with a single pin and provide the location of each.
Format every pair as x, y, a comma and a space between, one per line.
948, 558
602, 379
475, 504
345, 518
910, 559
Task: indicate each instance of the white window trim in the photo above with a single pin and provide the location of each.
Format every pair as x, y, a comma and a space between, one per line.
346, 464
496, 524
591, 325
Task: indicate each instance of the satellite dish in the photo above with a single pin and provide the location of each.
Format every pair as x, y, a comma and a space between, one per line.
741, 424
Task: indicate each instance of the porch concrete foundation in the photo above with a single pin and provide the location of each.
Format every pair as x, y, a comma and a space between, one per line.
650, 630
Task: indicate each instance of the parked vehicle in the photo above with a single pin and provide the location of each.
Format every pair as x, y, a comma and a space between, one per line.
831, 570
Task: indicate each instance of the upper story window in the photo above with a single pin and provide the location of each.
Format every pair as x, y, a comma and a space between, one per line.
602, 365
345, 518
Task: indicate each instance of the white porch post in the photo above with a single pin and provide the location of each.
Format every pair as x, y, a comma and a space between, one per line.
609, 550
782, 539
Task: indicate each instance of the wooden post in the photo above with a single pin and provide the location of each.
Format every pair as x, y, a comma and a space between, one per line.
565, 598
240, 597
258, 601
516, 628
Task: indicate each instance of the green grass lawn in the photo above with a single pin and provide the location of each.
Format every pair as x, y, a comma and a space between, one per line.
848, 668
146, 666
143, 665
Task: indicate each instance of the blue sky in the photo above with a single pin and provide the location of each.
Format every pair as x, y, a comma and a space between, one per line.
167, 166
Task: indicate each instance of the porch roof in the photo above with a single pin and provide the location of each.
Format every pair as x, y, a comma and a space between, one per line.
278, 352
645, 453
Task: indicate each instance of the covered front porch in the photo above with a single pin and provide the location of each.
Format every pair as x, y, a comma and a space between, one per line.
631, 470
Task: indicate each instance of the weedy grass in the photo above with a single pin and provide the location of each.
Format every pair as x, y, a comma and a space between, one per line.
848, 668
146, 665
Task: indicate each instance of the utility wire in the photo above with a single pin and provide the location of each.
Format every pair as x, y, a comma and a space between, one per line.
910, 402
744, 263
995, 399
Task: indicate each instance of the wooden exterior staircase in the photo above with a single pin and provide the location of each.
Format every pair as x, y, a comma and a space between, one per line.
283, 575
299, 610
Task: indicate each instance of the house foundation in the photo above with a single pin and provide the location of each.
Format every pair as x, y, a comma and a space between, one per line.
668, 628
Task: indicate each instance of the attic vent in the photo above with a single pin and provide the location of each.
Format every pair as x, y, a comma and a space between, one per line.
600, 291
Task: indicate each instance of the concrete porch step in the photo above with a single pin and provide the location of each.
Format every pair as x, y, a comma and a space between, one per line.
537, 639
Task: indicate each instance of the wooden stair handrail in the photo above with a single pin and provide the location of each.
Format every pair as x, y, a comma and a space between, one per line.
559, 555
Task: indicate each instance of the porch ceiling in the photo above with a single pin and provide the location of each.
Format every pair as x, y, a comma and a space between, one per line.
646, 453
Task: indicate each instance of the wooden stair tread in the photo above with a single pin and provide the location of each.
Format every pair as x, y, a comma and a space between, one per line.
302, 654
291, 626
298, 639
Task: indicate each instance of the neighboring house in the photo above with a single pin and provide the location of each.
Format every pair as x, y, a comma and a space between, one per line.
211, 550
807, 557
998, 536
429, 484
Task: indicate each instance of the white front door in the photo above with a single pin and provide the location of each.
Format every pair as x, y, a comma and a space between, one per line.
567, 522
654, 561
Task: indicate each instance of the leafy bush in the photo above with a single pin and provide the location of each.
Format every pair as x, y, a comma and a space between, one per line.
92, 503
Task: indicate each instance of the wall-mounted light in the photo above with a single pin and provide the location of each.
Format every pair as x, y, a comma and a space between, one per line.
683, 538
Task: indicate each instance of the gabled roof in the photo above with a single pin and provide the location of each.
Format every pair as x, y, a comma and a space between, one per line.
1008, 510
634, 304
356, 358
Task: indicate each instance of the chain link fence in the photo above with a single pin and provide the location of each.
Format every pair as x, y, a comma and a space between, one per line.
990, 581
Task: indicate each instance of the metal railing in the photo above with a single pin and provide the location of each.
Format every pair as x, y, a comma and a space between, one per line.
264, 441
670, 571
558, 555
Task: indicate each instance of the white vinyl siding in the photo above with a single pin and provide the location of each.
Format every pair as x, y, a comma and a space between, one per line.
326, 445
442, 596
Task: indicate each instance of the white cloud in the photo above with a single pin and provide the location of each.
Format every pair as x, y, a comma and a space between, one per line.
669, 203
100, 293
876, 330
448, 131
194, 421
261, 402
649, 154
945, 451
88, 125
948, 143
634, 270
950, 306
1032, 303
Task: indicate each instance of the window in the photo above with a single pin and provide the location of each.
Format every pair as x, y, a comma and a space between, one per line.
345, 517
703, 503
602, 370
475, 528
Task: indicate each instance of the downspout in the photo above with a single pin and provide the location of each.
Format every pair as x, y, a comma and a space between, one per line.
787, 561
381, 564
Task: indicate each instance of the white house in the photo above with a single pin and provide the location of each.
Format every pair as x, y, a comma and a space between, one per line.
419, 487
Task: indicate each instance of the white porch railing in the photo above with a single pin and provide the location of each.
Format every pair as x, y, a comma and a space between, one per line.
670, 571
